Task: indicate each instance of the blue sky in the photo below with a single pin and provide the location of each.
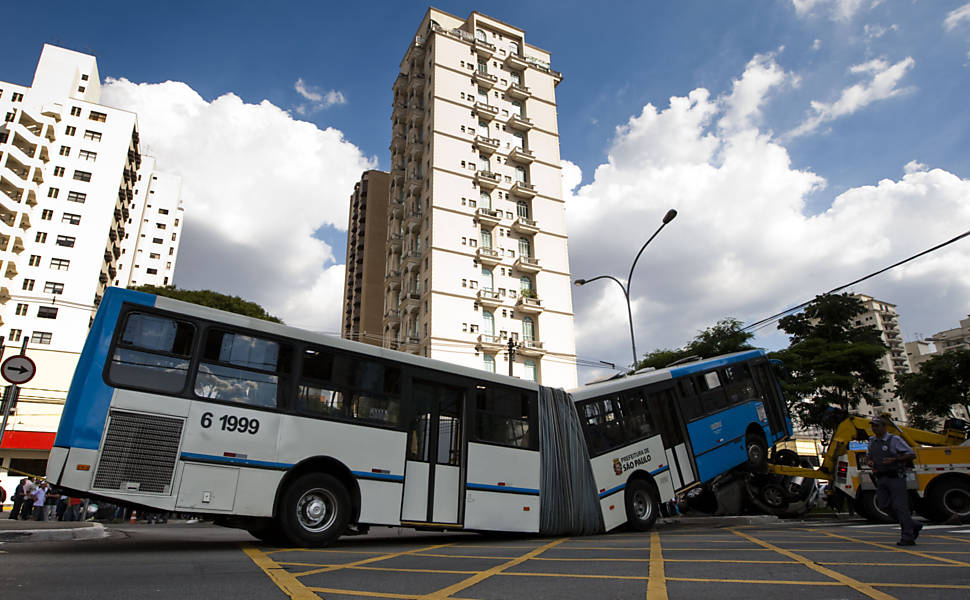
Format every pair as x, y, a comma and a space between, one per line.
851, 92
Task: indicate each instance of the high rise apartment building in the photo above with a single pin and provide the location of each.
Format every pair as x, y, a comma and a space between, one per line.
476, 257
69, 176
884, 318
363, 315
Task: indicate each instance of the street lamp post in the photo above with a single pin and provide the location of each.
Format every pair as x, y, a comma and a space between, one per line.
626, 288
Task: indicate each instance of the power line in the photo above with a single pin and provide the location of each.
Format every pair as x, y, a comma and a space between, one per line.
758, 325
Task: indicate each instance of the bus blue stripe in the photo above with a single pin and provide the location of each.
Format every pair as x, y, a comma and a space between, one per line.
616, 489
501, 488
86, 408
707, 365
230, 460
378, 476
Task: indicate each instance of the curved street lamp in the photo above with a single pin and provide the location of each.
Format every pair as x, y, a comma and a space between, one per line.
626, 288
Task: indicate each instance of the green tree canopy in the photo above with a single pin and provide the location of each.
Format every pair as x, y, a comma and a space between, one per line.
212, 299
832, 362
942, 381
723, 337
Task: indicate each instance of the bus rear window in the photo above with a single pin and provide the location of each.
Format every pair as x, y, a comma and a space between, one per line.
242, 368
152, 353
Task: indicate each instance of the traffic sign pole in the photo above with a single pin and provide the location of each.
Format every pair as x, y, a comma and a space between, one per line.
10, 395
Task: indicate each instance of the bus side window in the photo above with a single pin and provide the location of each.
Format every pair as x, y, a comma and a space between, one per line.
152, 353
378, 393
505, 418
242, 368
690, 401
315, 395
740, 385
636, 418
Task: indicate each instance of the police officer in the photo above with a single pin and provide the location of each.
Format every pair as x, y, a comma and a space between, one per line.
889, 455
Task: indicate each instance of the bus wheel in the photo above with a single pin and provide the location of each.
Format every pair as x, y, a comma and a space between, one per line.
315, 510
642, 506
757, 448
951, 498
867, 507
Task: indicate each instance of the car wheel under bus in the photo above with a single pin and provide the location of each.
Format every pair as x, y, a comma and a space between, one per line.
315, 510
867, 507
642, 505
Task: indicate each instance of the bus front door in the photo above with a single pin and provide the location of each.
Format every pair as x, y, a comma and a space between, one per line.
432, 476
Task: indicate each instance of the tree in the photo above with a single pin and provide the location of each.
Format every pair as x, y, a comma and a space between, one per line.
832, 362
212, 299
942, 381
724, 337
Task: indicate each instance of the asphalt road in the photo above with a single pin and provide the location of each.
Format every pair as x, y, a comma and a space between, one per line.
812, 561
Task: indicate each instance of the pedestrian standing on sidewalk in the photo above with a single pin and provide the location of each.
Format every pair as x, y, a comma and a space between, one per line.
889, 456
18, 499
40, 496
27, 508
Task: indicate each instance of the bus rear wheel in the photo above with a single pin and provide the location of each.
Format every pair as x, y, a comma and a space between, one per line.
642, 506
315, 510
757, 449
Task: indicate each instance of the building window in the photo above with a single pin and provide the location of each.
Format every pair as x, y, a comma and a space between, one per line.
15, 335
53, 192
152, 271
65, 151
84, 77
34, 260
9, 117
41, 237
60, 264
157, 240
154, 255
65, 240
41, 337
70, 130
80, 88
16, 97
53, 287
94, 136
488, 323
528, 329
100, 117
46, 312
82, 175
46, 214
160, 225
489, 363
163, 211
21, 310
77, 197
75, 111
87, 155
525, 248
58, 171
530, 370
28, 285
71, 219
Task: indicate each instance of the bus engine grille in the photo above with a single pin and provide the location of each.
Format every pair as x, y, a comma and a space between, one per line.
139, 453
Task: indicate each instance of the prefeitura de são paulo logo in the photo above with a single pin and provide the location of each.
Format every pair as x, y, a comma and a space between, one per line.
617, 466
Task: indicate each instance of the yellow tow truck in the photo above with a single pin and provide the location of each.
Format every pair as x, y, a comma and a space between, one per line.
939, 481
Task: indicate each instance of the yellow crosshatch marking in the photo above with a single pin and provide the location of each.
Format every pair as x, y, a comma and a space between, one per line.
629, 549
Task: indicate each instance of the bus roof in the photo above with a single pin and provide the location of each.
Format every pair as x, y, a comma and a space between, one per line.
114, 294
641, 379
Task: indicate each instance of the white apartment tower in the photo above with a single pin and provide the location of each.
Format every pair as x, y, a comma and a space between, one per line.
69, 169
883, 316
476, 253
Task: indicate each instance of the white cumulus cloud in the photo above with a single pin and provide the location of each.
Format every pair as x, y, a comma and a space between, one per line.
957, 16
318, 100
836, 10
256, 185
883, 81
742, 244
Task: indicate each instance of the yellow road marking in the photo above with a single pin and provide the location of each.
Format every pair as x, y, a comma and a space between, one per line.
369, 560
461, 585
844, 579
286, 581
767, 581
323, 550
657, 584
934, 586
577, 576
391, 569
899, 549
356, 593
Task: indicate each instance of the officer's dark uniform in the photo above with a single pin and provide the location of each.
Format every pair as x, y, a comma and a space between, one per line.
891, 494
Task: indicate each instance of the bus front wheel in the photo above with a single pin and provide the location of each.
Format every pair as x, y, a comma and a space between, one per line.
642, 506
315, 510
757, 450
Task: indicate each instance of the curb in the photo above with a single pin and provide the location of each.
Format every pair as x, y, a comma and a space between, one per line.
726, 521
94, 532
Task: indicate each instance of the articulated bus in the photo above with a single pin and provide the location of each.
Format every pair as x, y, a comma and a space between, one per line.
301, 437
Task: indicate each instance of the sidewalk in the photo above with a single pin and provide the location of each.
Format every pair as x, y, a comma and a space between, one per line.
48, 531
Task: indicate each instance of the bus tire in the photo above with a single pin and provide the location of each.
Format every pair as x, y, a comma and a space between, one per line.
950, 497
315, 510
757, 450
866, 506
642, 506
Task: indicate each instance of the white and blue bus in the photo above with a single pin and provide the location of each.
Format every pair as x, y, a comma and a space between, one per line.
301, 437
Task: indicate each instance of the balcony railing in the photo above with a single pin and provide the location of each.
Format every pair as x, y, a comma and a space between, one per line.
490, 297
519, 122
528, 264
484, 79
489, 256
529, 305
487, 179
486, 144
488, 216
522, 155
525, 225
523, 189
485, 110
519, 91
